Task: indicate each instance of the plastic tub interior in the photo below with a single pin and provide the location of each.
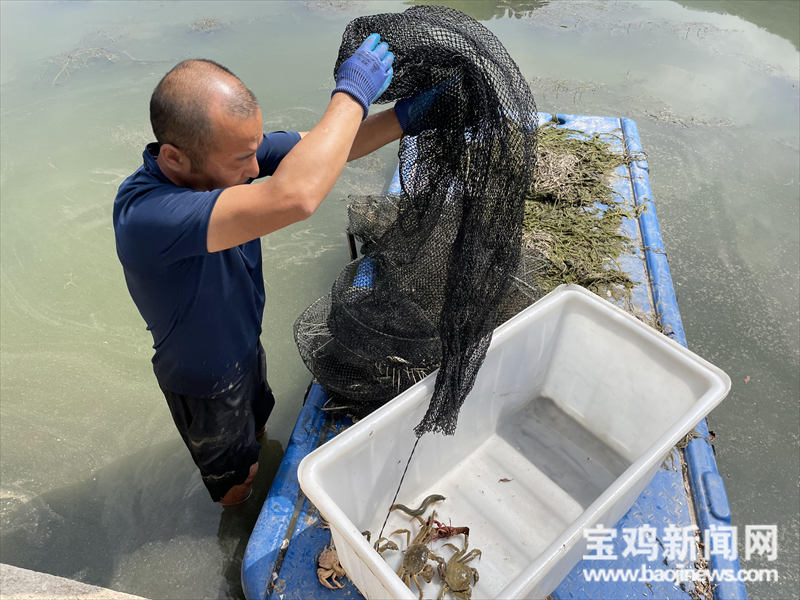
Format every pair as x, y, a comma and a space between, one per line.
577, 404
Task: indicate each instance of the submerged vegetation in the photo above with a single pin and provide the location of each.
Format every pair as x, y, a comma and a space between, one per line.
572, 215
208, 25
92, 50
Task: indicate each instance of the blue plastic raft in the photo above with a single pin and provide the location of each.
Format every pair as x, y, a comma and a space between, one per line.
281, 557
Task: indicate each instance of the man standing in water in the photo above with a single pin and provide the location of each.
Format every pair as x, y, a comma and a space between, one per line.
187, 227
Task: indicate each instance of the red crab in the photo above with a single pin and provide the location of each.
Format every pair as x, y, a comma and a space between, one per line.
444, 532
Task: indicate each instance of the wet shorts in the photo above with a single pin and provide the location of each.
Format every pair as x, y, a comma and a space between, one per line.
220, 432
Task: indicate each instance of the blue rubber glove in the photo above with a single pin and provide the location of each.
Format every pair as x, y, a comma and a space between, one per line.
411, 111
366, 74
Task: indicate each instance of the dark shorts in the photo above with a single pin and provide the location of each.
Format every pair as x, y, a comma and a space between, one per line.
220, 432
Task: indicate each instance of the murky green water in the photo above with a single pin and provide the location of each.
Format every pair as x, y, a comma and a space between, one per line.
95, 482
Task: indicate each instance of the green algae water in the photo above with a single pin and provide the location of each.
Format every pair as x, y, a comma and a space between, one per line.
95, 483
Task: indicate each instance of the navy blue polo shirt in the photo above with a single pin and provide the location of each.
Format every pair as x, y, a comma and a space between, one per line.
203, 309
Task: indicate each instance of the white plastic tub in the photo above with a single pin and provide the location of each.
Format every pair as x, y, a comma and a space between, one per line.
577, 403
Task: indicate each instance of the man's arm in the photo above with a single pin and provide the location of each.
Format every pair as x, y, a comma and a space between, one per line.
306, 175
375, 132
303, 179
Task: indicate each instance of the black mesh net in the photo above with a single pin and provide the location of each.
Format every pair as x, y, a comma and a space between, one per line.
442, 264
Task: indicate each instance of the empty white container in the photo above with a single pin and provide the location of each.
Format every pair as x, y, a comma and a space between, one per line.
577, 403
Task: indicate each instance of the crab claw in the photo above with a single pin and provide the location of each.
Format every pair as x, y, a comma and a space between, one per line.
323, 574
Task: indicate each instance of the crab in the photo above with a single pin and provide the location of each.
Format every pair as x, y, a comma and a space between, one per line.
415, 559
456, 575
329, 567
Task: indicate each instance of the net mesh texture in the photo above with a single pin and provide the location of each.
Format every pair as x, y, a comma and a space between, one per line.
442, 264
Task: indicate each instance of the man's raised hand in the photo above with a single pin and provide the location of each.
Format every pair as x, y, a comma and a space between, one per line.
366, 74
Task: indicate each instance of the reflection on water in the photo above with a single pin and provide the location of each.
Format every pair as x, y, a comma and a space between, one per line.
781, 17
96, 484
486, 11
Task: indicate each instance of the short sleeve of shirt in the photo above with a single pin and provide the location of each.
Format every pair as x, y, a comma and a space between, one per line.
166, 225
273, 148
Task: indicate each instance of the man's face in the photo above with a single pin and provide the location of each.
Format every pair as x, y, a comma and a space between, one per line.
232, 158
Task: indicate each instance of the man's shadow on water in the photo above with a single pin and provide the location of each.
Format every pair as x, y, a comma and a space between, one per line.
86, 530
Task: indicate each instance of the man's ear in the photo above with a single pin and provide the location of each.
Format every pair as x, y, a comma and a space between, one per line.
175, 158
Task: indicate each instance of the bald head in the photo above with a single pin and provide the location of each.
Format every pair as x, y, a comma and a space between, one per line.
185, 101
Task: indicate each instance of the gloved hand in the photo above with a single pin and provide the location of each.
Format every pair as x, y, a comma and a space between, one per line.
411, 111
366, 74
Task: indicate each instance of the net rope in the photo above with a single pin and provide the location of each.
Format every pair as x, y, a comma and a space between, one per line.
442, 264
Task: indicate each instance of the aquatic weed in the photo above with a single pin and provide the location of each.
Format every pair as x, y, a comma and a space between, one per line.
572, 215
